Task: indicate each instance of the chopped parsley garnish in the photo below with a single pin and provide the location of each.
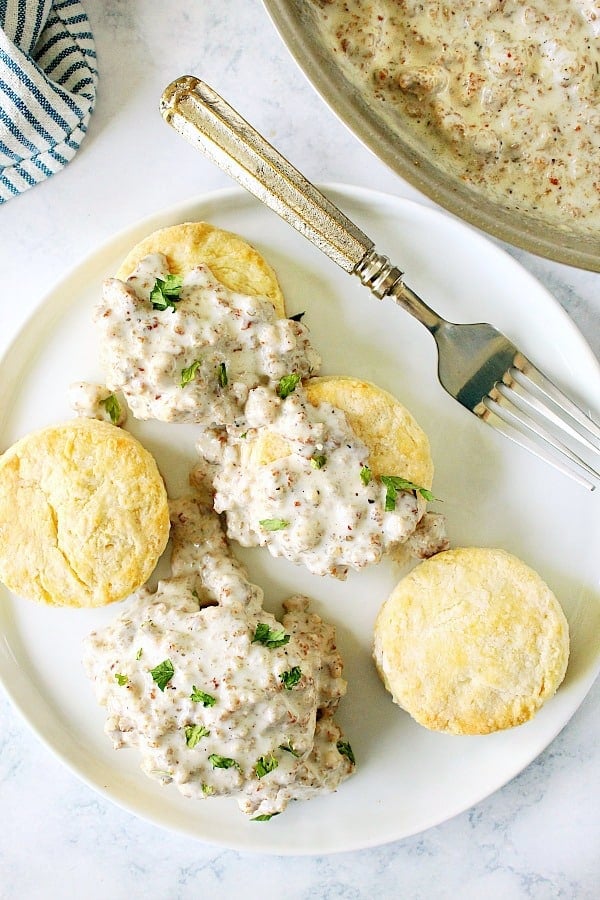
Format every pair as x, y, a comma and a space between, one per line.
166, 291
112, 407
297, 317
121, 679
346, 750
393, 484
189, 373
265, 764
291, 677
193, 733
222, 762
318, 461
273, 524
287, 385
264, 817
207, 789
162, 673
222, 375
138, 655
268, 637
289, 749
365, 475
199, 696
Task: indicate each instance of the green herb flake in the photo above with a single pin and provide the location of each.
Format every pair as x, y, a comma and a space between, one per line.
273, 524
112, 407
189, 373
269, 638
265, 764
318, 461
222, 762
287, 385
193, 733
346, 750
138, 655
264, 817
121, 679
289, 748
222, 375
199, 696
162, 673
291, 678
365, 475
207, 789
166, 291
393, 484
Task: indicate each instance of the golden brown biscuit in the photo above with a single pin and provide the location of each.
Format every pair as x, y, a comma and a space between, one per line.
83, 514
397, 444
235, 263
471, 641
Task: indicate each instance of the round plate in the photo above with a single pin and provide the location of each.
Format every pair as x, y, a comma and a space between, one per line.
393, 139
493, 494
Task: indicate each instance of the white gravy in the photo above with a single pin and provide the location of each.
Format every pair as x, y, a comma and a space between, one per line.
196, 360
235, 717
507, 92
316, 505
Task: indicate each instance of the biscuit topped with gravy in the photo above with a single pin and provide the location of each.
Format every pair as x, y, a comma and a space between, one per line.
194, 320
331, 473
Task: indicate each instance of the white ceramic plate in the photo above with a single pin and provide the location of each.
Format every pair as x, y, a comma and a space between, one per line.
494, 494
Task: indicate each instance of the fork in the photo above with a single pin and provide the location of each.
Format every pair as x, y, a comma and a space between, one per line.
477, 364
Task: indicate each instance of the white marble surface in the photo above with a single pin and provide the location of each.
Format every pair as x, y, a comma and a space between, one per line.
538, 837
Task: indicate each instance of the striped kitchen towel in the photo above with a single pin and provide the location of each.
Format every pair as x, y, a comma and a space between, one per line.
47, 89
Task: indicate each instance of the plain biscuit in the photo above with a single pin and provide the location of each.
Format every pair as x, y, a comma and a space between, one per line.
83, 514
232, 261
471, 641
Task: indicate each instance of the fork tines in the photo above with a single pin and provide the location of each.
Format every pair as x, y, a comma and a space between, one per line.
532, 411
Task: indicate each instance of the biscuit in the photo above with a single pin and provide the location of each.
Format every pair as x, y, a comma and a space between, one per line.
471, 641
232, 261
83, 514
397, 444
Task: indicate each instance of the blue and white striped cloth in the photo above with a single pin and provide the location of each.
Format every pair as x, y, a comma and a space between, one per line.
47, 89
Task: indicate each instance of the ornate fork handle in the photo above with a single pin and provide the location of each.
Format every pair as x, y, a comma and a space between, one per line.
197, 112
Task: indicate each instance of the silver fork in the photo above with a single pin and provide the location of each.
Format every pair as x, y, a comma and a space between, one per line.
478, 365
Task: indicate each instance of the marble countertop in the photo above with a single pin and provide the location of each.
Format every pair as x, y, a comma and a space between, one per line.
539, 836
